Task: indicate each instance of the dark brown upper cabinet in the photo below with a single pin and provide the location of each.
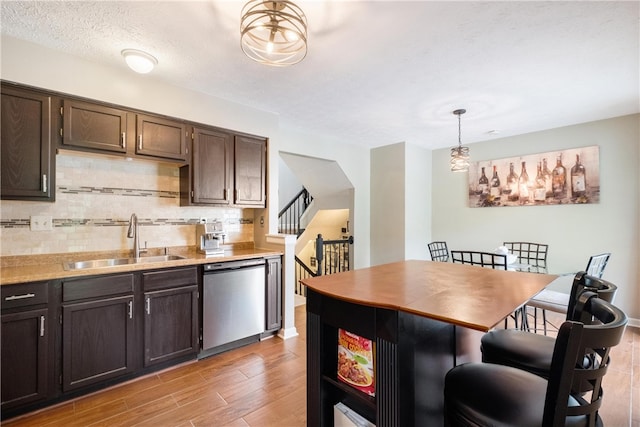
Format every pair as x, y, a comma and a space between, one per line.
250, 171
94, 126
27, 144
209, 179
100, 128
160, 137
225, 170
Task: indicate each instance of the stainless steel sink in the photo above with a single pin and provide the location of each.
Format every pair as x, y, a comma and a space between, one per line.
159, 258
99, 263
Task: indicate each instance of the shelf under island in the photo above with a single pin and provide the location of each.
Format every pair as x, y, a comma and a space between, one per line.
422, 317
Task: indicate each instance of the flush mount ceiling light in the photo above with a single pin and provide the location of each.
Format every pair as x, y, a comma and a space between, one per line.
273, 32
139, 61
459, 154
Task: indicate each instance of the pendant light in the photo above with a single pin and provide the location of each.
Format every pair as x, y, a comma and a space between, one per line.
459, 154
273, 32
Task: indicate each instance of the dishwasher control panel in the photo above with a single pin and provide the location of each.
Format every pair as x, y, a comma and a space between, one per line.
232, 265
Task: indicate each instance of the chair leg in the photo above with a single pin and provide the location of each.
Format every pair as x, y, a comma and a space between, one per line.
544, 321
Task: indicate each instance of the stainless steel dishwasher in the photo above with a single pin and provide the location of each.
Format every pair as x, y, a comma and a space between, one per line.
233, 309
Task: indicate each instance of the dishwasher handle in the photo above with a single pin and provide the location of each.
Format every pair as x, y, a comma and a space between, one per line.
234, 265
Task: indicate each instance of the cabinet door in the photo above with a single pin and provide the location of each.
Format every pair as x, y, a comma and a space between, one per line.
212, 152
94, 126
97, 341
159, 137
274, 294
170, 324
24, 357
250, 171
27, 157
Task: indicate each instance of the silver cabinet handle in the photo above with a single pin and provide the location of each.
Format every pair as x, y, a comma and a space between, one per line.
148, 305
15, 297
124, 140
140, 142
130, 309
41, 326
44, 183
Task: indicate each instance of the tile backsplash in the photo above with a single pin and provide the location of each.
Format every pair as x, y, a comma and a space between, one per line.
95, 197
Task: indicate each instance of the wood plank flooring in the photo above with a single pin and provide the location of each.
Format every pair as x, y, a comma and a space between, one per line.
264, 384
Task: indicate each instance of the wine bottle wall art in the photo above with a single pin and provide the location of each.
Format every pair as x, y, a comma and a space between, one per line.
554, 178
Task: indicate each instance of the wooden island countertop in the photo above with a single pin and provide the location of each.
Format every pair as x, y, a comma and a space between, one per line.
470, 296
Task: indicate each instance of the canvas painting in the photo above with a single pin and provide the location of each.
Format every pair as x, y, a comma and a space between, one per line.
558, 177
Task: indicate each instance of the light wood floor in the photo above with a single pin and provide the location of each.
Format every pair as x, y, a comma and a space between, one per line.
264, 384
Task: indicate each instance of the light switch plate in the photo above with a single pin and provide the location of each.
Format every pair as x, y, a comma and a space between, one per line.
41, 223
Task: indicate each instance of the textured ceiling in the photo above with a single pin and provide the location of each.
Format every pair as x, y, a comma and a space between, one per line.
377, 72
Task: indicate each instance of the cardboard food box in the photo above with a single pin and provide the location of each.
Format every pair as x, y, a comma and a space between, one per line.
356, 362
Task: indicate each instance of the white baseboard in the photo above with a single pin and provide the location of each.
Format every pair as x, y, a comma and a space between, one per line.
634, 323
285, 334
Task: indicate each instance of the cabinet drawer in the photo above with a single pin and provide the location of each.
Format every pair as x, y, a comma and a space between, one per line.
169, 278
24, 294
77, 289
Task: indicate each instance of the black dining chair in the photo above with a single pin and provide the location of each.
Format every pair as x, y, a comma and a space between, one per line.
439, 251
556, 301
482, 259
487, 394
534, 255
597, 263
533, 352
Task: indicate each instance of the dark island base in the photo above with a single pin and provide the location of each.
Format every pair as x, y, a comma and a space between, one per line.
412, 356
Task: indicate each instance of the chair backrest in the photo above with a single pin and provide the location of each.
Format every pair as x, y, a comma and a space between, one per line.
483, 259
439, 251
575, 340
597, 263
534, 254
585, 282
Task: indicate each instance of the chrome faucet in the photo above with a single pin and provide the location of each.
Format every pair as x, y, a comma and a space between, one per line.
133, 232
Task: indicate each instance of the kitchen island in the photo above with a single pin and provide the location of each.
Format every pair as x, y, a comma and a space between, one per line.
423, 317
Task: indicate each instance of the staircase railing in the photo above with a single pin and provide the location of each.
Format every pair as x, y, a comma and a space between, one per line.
302, 272
289, 216
332, 256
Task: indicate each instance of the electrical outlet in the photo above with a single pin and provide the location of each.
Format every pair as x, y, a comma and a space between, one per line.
41, 223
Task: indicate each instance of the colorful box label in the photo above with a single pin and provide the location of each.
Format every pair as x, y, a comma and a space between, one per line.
356, 362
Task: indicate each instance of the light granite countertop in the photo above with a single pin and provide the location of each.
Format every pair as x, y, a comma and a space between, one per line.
34, 268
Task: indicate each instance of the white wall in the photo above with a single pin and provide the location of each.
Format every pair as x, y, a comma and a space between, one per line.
388, 204
400, 203
288, 184
573, 232
417, 202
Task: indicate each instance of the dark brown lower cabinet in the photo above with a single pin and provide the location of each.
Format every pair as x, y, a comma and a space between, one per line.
97, 341
25, 343
98, 330
273, 295
171, 314
170, 324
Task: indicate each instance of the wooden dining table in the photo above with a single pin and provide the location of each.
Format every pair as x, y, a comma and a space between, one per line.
424, 318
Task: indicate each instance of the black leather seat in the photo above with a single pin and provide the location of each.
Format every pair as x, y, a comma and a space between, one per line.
486, 394
532, 352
